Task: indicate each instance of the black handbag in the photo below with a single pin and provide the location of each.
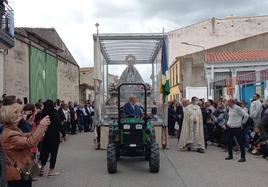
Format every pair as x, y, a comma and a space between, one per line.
30, 171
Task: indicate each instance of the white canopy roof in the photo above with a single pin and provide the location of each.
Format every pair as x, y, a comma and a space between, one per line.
116, 47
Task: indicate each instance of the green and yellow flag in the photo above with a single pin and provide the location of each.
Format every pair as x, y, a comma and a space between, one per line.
164, 82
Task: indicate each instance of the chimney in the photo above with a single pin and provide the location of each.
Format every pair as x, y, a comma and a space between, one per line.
213, 21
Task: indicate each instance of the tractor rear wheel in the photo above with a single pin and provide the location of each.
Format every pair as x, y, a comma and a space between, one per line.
111, 158
154, 159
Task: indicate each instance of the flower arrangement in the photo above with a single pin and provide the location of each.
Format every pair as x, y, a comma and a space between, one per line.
112, 89
149, 89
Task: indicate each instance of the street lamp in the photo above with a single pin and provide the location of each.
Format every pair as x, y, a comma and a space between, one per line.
97, 25
186, 43
203, 48
96, 78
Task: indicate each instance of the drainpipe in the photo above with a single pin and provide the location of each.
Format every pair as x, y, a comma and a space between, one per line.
79, 93
211, 80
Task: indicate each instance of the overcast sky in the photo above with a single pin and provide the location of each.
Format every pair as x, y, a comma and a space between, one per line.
75, 20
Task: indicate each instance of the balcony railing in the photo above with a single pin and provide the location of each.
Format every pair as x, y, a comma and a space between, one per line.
7, 19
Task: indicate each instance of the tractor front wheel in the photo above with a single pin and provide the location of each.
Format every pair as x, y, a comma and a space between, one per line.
111, 158
154, 159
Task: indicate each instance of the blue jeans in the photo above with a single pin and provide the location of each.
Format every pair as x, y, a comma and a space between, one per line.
2, 170
246, 133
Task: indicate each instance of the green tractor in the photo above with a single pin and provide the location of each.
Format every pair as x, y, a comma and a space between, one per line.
131, 137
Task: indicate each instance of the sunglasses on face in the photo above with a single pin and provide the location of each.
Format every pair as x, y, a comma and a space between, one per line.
26, 113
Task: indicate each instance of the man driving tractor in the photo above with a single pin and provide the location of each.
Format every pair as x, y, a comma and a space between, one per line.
131, 108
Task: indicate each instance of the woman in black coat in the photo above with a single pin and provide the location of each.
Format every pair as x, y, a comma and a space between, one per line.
51, 139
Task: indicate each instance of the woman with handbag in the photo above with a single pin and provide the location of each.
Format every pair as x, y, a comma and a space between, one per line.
17, 146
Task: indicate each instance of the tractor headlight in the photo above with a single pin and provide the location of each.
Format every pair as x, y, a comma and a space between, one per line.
127, 127
139, 126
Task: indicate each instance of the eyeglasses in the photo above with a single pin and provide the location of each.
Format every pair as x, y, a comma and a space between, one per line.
26, 113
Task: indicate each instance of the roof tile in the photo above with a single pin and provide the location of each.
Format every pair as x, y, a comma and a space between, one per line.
237, 56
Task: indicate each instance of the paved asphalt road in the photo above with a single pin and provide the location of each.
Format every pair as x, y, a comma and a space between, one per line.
81, 166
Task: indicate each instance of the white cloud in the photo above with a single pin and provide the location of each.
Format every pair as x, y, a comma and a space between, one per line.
75, 20
72, 21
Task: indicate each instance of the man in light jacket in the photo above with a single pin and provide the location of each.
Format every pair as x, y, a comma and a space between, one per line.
237, 117
256, 109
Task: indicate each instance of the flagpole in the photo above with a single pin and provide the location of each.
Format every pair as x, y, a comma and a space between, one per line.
164, 108
163, 36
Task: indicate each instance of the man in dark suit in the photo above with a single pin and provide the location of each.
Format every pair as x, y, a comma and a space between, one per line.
171, 119
131, 108
86, 117
179, 117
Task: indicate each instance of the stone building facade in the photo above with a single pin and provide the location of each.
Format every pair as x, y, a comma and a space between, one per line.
68, 81
235, 74
40, 66
86, 87
16, 70
87, 83
192, 71
212, 33
189, 45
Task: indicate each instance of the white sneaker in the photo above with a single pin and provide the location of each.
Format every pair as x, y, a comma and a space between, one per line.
52, 172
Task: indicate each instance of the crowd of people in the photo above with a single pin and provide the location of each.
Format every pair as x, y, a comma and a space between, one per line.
227, 123
32, 133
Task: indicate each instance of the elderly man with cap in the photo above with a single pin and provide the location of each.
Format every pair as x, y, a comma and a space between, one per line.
131, 108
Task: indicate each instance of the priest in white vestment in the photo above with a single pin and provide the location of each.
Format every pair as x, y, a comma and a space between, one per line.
192, 135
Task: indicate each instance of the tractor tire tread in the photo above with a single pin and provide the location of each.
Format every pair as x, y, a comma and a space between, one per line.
154, 158
111, 158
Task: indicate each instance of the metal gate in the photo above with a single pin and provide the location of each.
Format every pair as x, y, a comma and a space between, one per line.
43, 75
